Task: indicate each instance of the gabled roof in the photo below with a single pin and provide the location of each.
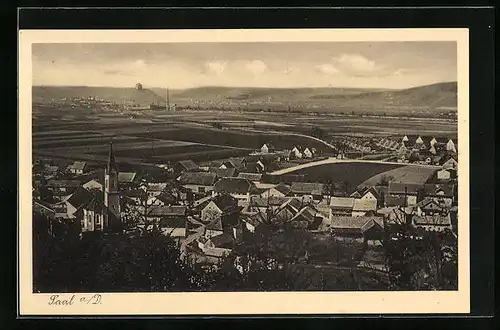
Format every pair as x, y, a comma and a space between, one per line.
294, 203
308, 188
224, 172
157, 186
80, 197
342, 202
268, 145
354, 224
225, 202
434, 189
197, 178
78, 165
166, 198
126, 177
233, 186
188, 165
365, 205
258, 201
250, 176
435, 219
284, 189
305, 214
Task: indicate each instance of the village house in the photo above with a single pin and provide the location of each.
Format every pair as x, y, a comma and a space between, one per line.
316, 191
267, 148
297, 152
449, 163
433, 222
237, 187
364, 207
185, 166
220, 214
229, 172
198, 182
77, 167
341, 206
280, 190
236, 163
258, 204
441, 193
62, 188
363, 229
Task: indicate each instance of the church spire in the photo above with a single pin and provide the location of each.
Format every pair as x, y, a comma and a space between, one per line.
111, 158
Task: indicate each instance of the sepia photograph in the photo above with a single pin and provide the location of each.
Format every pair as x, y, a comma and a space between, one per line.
244, 165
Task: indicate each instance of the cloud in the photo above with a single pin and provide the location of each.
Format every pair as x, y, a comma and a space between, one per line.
327, 69
215, 67
256, 66
291, 70
359, 66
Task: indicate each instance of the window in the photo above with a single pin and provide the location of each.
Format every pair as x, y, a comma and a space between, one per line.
98, 220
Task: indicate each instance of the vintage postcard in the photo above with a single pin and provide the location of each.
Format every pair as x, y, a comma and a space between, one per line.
219, 172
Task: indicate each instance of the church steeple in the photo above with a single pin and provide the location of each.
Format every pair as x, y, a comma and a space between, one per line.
111, 159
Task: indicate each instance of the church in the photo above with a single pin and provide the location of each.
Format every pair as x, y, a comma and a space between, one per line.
98, 210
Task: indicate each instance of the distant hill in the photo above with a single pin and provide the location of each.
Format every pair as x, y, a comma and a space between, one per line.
145, 97
431, 97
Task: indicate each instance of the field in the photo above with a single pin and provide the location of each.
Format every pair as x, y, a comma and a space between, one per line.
150, 137
352, 173
406, 174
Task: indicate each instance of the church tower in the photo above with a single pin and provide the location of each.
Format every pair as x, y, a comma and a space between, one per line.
111, 193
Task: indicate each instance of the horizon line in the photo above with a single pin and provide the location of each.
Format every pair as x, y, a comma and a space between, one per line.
248, 87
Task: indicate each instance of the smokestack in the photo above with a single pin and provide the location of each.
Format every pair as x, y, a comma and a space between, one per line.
168, 101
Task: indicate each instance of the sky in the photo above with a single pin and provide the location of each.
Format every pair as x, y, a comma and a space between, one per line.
395, 65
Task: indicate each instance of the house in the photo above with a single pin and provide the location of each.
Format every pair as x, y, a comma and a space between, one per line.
234, 162
408, 190
62, 188
307, 153
360, 228
220, 214
237, 187
433, 222
297, 152
281, 190
93, 184
166, 198
251, 222
224, 172
254, 177
198, 182
443, 174
77, 168
450, 146
155, 189
441, 193
185, 166
363, 207
307, 218
315, 190
341, 206
267, 148
262, 204
449, 163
